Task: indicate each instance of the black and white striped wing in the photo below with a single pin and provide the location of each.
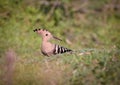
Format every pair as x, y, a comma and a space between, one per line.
59, 49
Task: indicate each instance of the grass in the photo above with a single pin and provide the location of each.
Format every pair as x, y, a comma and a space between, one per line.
21, 62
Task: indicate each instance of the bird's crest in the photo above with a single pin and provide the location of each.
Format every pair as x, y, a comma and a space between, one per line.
45, 34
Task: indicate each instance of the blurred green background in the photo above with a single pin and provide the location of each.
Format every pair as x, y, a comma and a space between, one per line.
81, 24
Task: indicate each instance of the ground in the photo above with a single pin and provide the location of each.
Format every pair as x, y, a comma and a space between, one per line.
85, 26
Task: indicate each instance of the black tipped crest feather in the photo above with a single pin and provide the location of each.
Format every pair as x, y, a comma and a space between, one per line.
35, 30
39, 29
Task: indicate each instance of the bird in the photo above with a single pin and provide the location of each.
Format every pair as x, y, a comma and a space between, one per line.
48, 48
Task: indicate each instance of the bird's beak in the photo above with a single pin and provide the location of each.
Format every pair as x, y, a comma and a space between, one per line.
56, 38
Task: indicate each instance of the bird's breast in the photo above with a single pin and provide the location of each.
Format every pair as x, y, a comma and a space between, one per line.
47, 48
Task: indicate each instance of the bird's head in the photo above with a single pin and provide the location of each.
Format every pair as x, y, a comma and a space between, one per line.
46, 35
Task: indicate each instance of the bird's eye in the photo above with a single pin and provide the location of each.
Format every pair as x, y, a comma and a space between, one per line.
46, 34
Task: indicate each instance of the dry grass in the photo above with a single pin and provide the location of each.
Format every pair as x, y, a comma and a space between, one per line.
54, 72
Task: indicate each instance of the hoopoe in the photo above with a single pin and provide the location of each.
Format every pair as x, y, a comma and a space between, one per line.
48, 48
